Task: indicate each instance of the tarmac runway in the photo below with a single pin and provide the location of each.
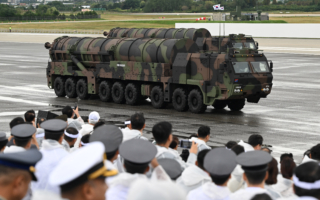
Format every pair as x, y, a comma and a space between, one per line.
288, 119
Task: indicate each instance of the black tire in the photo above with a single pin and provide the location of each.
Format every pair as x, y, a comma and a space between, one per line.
219, 105
157, 97
105, 91
70, 88
118, 92
195, 101
236, 105
82, 89
180, 100
132, 94
59, 87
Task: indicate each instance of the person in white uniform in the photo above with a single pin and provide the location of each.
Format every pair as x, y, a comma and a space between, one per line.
219, 163
71, 135
22, 135
255, 165
236, 182
81, 175
53, 152
135, 128
171, 167
137, 155
194, 176
111, 136
203, 138
162, 133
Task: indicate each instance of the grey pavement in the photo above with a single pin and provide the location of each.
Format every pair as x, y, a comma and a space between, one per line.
288, 119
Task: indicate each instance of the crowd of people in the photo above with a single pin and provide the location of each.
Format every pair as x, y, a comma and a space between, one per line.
68, 158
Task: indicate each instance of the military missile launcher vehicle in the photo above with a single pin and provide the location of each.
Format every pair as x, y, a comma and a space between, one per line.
128, 70
201, 37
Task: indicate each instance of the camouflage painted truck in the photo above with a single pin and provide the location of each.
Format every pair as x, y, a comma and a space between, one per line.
128, 70
201, 37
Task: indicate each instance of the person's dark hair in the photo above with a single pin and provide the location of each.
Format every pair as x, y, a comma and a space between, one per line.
307, 153
3, 143
110, 155
16, 121
308, 172
52, 136
85, 139
185, 154
219, 180
72, 131
256, 177
193, 135
98, 124
203, 131
21, 142
137, 121
29, 116
255, 140
134, 168
67, 111
287, 167
174, 143
200, 158
263, 196
273, 172
286, 155
315, 152
237, 149
161, 132
231, 144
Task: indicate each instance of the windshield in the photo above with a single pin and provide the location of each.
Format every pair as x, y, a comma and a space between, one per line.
241, 67
238, 45
250, 45
260, 66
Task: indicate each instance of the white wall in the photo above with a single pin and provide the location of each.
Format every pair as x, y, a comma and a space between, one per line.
260, 30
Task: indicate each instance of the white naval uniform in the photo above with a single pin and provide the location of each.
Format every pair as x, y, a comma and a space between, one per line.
236, 182
192, 177
298, 198
171, 153
120, 185
273, 193
129, 134
13, 149
201, 144
209, 191
247, 193
284, 187
52, 152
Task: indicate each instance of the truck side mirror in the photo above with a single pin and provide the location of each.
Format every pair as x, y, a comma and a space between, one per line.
257, 44
271, 66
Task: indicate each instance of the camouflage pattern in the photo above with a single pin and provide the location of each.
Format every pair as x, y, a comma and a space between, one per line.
169, 63
202, 37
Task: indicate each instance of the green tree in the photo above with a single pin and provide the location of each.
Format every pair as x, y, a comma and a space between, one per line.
42, 9
142, 4
131, 4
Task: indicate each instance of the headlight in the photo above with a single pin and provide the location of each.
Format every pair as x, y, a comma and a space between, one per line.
265, 89
237, 90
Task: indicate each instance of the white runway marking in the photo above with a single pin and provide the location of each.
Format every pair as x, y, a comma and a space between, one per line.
3, 98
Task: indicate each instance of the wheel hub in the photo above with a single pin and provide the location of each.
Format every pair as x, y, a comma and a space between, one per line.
81, 89
130, 94
194, 101
156, 97
179, 100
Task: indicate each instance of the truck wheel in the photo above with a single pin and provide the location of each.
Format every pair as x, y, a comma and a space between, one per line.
157, 97
132, 94
82, 89
180, 100
70, 88
236, 105
195, 101
118, 92
59, 87
219, 104
105, 91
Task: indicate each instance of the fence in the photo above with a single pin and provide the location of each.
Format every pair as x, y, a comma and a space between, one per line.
54, 31
48, 18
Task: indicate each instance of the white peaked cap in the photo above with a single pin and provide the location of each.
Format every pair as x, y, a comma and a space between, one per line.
156, 190
87, 161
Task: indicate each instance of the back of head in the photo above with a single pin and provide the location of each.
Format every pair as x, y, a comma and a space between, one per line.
261, 197
286, 155
237, 149
85, 139
273, 172
98, 124
137, 121
255, 140
94, 117
307, 180
67, 111
287, 167
315, 152
16, 121
30, 116
231, 144
203, 131
70, 134
21, 142
200, 158
160, 190
161, 132
174, 143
